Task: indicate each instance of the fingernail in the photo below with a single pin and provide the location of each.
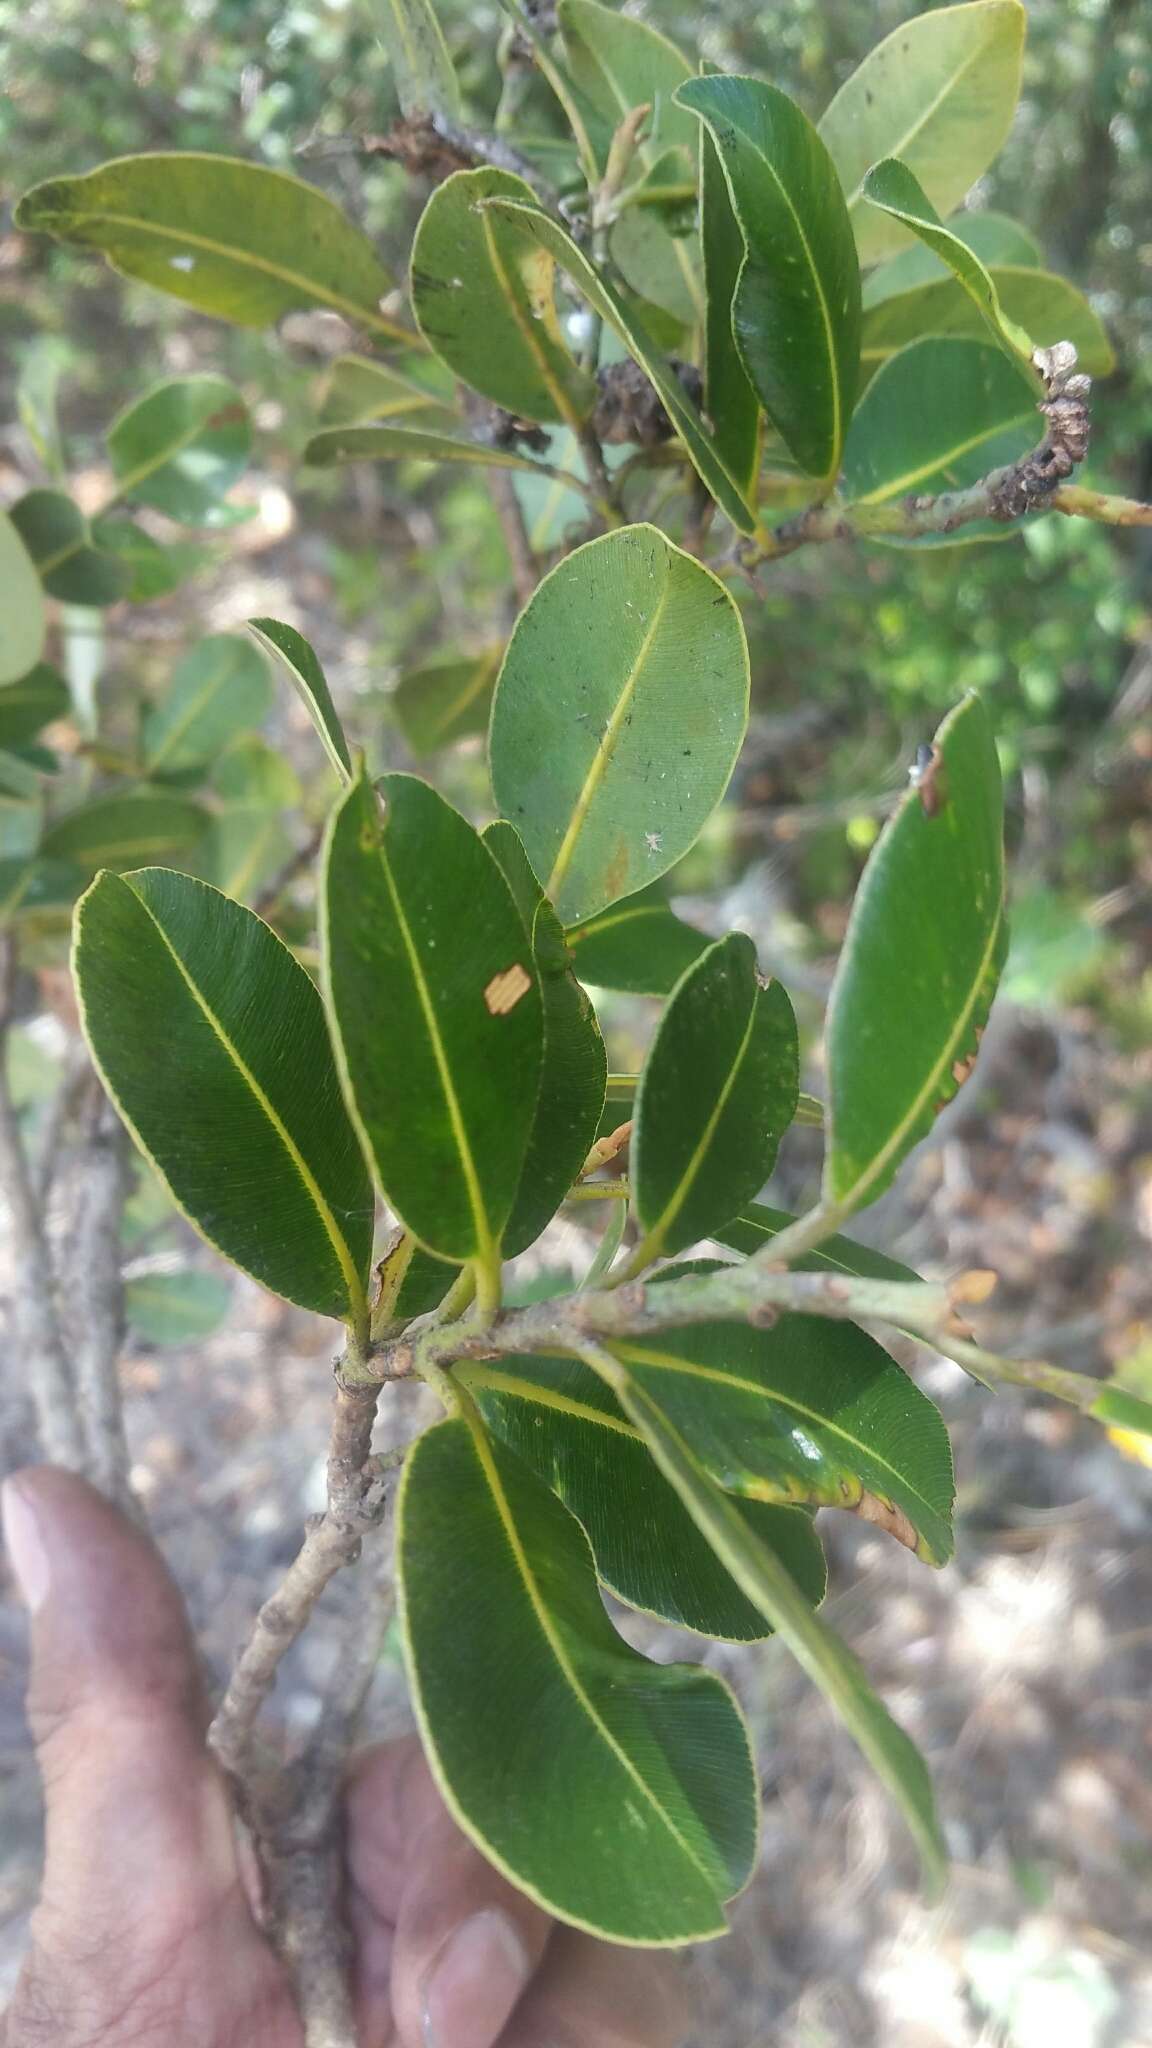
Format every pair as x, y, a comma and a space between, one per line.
27, 1556
474, 1982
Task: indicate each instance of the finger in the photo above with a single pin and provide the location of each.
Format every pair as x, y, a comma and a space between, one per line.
466, 1943
590, 1992
138, 1827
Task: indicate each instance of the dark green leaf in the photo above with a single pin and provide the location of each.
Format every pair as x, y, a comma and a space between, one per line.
230, 238
729, 397
796, 312
623, 317
211, 1040
413, 38
937, 416
892, 187
141, 826
408, 444
44, 890
575, 1067
923, 952
639, 945
176, 1308
181, 447
557, 1416
482, 292
55, 533
763, 1578
296, 654
717, 1091
1049, 307
23, 623
810, 1410
444, 700
31, 703
757, 1225
619, 712
152, 571
991, 236
437, 1011
617, 1793
940, 93
218, 690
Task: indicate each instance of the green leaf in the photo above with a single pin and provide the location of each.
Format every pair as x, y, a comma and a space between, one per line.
211, 1040
892, 187
796, 310
437, 1011
360, 388
617, 1793
296, 654
625, 321
55, 533
717, 1091
998, 242
1048, 306
557, 1416
619, 713
757, 1225
575, 1066
620, 63
445, 700
130, 830
639, 945
767, 1584
39, 890
939, 93
923, 952
18, 778
729, 396
23, 623
218, 689
253, 775
230, 238
808, 1411
151, 570
937, 416
181, 447
425, 80
176, 1308
483, 296
407, 444
245, 847
32, 702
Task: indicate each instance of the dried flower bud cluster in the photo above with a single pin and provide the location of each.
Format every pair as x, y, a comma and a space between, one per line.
1065, 407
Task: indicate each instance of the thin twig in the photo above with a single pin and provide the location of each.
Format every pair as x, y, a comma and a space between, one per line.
510, 513
46, 1364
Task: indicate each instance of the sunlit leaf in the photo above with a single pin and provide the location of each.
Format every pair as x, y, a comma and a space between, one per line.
294, 653
1049, 307
374, 443
893, 187
360, 388
997, 240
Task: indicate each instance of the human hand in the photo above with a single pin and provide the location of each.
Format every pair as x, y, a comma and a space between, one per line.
144, 1936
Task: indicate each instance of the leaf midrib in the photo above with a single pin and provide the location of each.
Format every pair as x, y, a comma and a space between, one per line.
333, 1232
656, 1235
200, 697
606, 744
528, 335
559, 1651
668, 1362
895, 488
948, 87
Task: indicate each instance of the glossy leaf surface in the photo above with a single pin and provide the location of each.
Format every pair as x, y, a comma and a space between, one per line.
298, 657
623, 317
181, 447
557, 1416
575, 1064
828, 1662
437, 1011
230, 238
218, 690
617, 1793
796, 310
717, 1091
730, 396
892, 187
920, 963
482, 292
939, 93
211, 1040
618, 716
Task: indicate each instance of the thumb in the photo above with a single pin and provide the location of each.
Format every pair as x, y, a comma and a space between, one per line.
137, 1824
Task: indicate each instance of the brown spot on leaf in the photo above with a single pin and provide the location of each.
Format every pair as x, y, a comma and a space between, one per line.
883, 1514
505, 990
962, 1068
